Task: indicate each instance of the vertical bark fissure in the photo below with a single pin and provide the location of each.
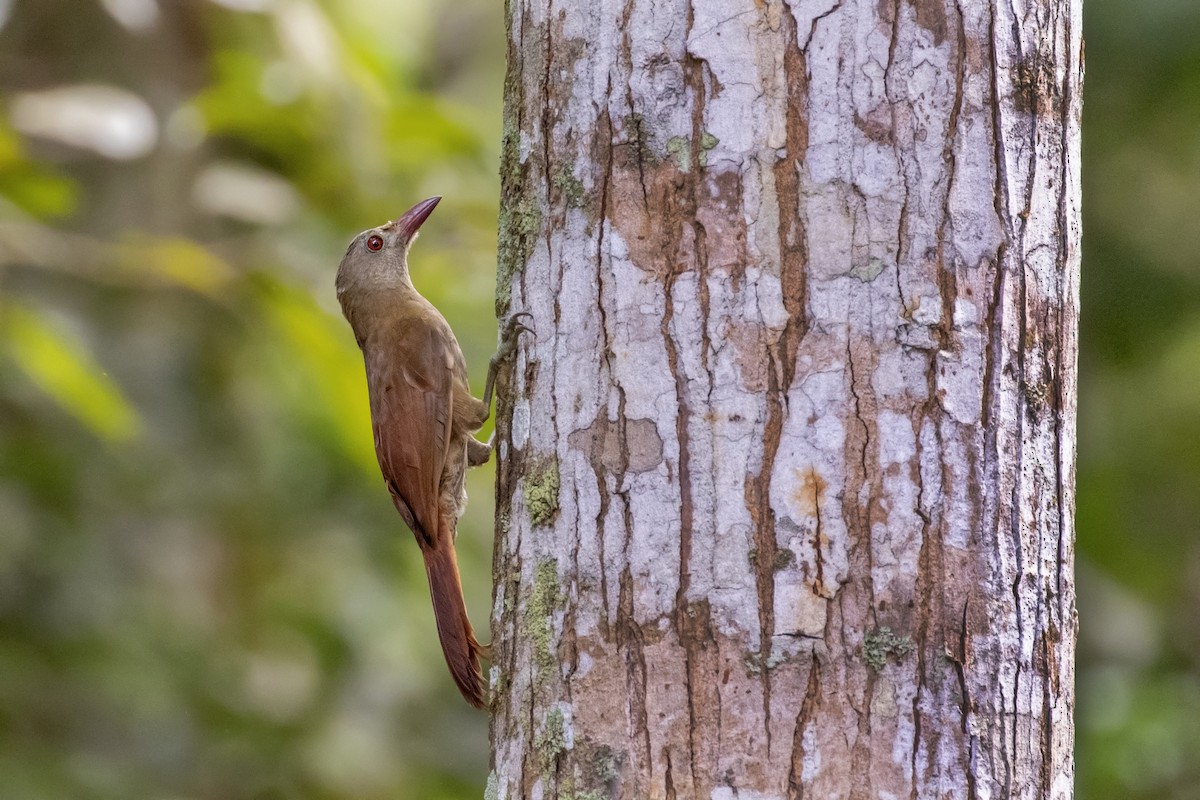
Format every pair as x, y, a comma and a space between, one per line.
960, 668
993, 457
631, 644
782, 353
794, 288
860, 546
606, 355
547, 110
903, 244
554, 760
684, 477
930, 584
634, 119
947, 273
683, 419
929, 581
765, 539
859, 507
1064, 404
1021, 415
506, 722
692, 636
808, 705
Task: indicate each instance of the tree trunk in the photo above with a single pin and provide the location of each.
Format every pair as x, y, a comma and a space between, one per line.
785, 504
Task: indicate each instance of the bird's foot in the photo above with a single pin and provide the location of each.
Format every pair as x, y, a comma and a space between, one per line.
512, 334
508, 347
479, 452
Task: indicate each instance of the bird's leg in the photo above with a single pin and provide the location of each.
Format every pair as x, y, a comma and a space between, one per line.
479, 452
508, 346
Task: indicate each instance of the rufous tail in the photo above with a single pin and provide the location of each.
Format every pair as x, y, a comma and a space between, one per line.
459, 645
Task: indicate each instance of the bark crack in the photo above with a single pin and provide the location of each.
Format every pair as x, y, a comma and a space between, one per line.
808, 710
632, 644
606, 355
635, 119
547, 124
812, 31
959, 660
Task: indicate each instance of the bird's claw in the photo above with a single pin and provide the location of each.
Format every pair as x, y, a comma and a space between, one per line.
515, 327
512, 333
513, 330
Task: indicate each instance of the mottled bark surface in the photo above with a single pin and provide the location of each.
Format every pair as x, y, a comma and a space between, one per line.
785, 506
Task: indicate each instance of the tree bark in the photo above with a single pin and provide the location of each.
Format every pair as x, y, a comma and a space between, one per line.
785, 503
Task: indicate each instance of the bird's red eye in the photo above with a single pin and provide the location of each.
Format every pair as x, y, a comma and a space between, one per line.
375, 243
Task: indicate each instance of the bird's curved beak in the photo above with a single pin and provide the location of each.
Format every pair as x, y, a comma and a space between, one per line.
410, 221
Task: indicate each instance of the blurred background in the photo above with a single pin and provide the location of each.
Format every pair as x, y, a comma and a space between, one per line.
205, 593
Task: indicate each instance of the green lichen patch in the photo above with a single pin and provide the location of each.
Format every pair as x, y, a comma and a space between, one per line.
526, 218
570, 186
868, 271
603, 764
589, 773
784, 558
679, 148
638, 135
509, 588
512, 247
519, 224
881, 643
492, 790
551, 741
755, 663
569, 792
510, 151
539, 611
540, 489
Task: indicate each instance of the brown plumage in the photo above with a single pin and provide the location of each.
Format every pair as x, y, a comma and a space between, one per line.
423, 416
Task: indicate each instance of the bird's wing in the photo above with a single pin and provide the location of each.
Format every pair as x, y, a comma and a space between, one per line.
410, 376
411, 372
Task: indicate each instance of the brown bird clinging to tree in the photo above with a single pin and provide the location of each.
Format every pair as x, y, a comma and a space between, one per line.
423, 415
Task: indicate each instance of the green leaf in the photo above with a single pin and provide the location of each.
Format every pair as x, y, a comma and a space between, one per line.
62, 368
321, 369
33, 187
176, 260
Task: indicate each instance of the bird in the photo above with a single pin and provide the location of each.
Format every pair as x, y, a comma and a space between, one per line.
423, 415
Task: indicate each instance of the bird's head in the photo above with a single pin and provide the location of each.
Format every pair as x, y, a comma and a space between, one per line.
378, 257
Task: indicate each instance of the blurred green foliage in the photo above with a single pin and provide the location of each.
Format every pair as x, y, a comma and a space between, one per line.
203, 591
1138, 498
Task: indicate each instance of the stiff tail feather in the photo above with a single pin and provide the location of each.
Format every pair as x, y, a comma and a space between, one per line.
459, 645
